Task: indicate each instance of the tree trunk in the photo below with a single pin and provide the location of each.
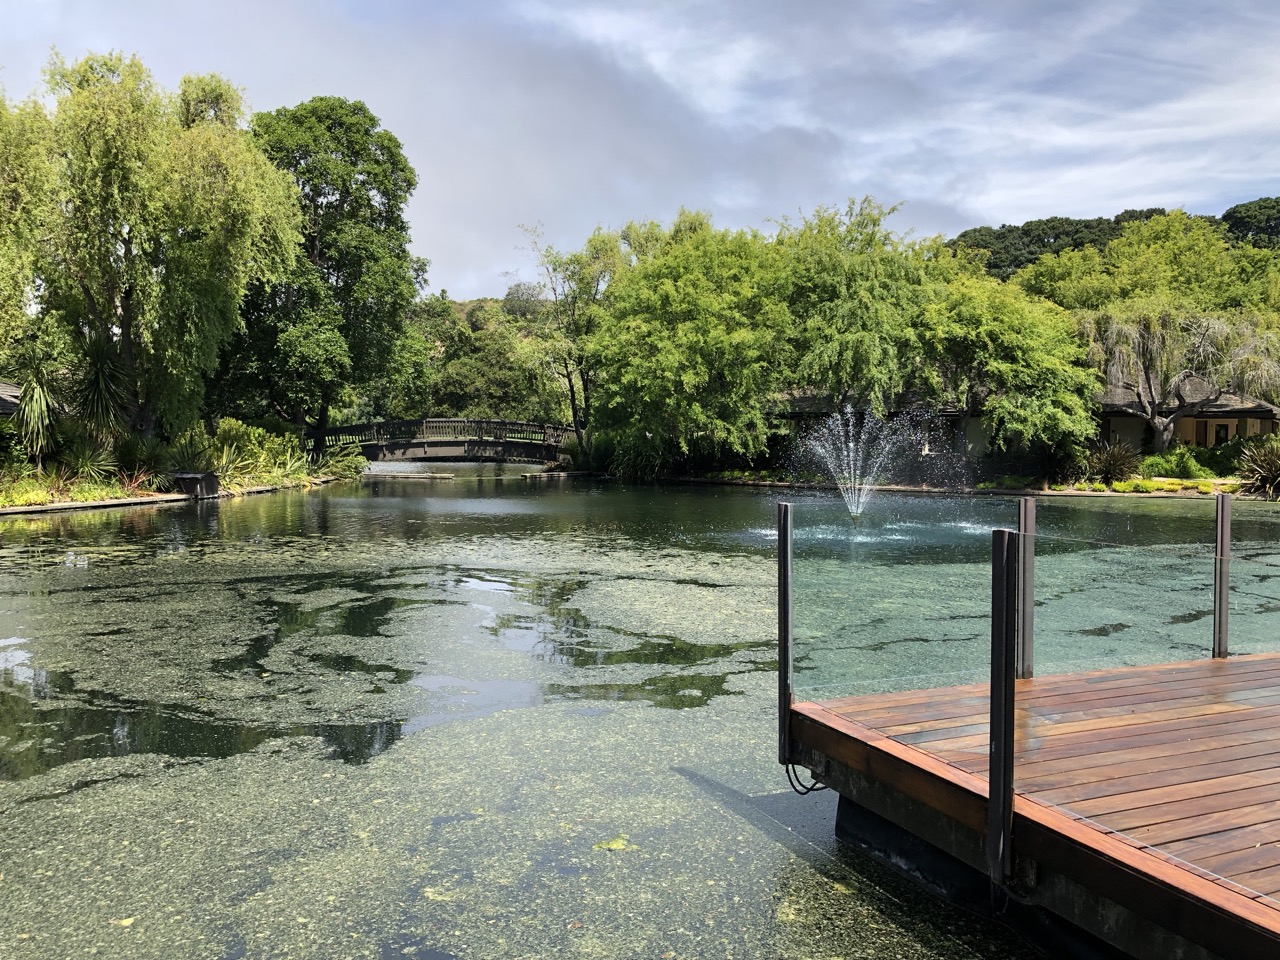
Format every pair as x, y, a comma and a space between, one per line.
322, 424
1162, 429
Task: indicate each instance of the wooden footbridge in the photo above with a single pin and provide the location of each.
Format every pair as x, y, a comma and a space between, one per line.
1146, 806
441, 439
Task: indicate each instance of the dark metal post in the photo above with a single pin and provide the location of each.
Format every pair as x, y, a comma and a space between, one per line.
1004, 614
785, 598
1221, 575
1025, 668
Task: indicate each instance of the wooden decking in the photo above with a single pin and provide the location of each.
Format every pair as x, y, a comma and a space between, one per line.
1159, 785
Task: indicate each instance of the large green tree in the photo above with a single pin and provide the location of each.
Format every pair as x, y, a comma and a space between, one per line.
25, 171
857, 290
694, 347
566, 310
1174, 313
160, 213
1256, 222
989, 350
334, 321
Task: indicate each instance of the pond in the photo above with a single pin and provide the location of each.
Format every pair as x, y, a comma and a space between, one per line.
486, 717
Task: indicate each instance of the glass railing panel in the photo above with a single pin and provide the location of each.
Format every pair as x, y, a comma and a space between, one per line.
1253, 598
1254, 522
1129, 724
897, 599
1101, 605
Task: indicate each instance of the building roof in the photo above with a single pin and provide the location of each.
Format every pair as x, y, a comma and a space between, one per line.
9, 396
1121, 398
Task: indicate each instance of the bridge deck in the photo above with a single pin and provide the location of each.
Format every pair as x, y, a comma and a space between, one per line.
1156, 785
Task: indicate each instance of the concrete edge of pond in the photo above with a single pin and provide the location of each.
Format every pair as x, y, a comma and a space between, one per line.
155, 500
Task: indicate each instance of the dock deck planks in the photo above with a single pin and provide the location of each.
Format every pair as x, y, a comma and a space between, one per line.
1172, 770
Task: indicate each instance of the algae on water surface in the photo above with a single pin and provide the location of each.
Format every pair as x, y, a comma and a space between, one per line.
176, 705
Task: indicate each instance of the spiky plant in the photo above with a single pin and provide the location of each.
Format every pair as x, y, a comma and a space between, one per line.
1259, 468
88, 461
37, 414
99, 393
345, 463
1113, 462
190, 453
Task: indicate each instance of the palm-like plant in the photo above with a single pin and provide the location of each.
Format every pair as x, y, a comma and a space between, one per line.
1259, 468
1112, 462
37, 413
99, 392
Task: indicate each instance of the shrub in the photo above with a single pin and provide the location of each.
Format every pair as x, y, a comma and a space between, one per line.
27, 492
1113, 462
345, 463
13, 455
1124, 486
85, 460
191, 453
1098, 487
1259, 468
1178, 462
1221, 460
93, 490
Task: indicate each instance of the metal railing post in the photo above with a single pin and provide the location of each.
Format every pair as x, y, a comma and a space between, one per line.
1004, 614
1221, 575
785, 600
1025, 668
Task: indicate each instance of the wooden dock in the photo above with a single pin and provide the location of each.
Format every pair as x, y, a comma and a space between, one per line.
1147, 799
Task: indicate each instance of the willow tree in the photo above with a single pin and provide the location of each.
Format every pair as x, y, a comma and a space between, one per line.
1016, 362
692, 351
24, 168
857, 290
161, 211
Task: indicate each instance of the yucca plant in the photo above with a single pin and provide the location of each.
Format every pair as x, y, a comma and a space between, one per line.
98, 392
190, 453
1113, 462
1259, 468
88, 461
233, 469
37, 413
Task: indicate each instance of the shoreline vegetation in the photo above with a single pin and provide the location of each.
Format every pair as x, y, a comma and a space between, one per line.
1167, 487
244, 458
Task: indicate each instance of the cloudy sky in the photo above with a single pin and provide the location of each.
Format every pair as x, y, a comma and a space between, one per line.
575, 113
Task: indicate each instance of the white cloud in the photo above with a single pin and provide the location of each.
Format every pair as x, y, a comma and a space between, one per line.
575, 113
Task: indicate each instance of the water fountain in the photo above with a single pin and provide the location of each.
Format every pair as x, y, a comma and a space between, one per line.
860, 450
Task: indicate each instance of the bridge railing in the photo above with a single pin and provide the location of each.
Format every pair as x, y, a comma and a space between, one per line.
441, 429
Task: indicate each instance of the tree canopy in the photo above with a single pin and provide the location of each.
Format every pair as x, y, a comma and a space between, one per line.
1010, 247
694, 348
857, 291
153, 212
1256, 222
341, 309
989, 350
1173, 312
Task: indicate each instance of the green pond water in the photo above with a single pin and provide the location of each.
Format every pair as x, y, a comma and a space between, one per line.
488, 717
